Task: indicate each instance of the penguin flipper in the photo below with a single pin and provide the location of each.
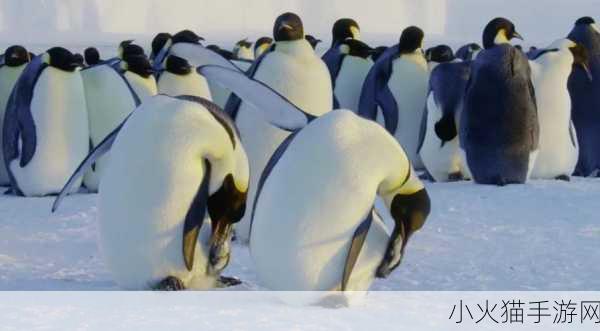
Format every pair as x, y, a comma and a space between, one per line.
423, 129
279, 111
445, 128
358, 240
194, 218
267, 171
102, 148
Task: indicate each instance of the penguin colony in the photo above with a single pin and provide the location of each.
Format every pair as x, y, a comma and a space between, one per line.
192, 145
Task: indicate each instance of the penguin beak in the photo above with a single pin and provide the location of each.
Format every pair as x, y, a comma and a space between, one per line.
218, 254
516, 35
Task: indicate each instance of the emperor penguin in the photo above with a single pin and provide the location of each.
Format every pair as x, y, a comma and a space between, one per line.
395, 91
243, 50
46, 132
586, 99
468, 52
12, 65
261, 45
439, 54
110, 98
138, 71
439, 147
180, 78
331, 169
292, 68
499, 128
166, 208
349, 73
558, 147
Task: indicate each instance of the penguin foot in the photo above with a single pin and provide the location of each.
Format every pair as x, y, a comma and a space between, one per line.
170, 283
426, 176
455, 177
8, 192
225, 281
563, 178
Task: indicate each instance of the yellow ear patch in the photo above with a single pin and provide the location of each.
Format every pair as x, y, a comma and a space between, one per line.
46, 58
501, 37
355, 32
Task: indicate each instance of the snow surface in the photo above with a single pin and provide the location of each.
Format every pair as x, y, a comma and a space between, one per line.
540, 236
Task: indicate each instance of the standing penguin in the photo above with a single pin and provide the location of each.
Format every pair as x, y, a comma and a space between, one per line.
46, 131
243, 50
398, 85
110, 98
194, 166
349, 73
499, 129
291, 68
14, 62
468, 52
586, 99
179, 78
329, 170
262, 45
558, 148
439, 148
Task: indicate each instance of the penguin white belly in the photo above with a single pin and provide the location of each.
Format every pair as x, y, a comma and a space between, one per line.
59, 112
349, 82
409, 85
308, 211
8, 78
144, 197
109, 101
190, 84
558, 152
143, 87
440, 161
305, 82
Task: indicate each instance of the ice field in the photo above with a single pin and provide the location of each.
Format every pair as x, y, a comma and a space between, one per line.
540, 236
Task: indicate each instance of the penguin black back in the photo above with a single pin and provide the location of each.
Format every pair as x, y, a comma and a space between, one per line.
288, 27
15, 56
92, 56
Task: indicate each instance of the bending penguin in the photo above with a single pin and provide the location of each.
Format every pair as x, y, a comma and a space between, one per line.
189, 186
398, 85
291, 68
46, 131
499, 128
586, 99
14, 61
439, 148
558, 147
179, 78
110, 98
331, 169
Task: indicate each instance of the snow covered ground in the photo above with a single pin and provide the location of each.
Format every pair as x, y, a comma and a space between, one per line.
544, 235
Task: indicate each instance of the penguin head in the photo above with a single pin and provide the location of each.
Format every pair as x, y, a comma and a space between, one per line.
589, 22
355, 47
499, 31
440, 54
411, 40
61, 58
288, 27
243, 49
343, 29
138, 64
312, 40
223, 52
16, 56
186, 36
261, 45
129, 49
244, 43
468, 51
79, 58
92, 56
159, 42
177, 65
581, 58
